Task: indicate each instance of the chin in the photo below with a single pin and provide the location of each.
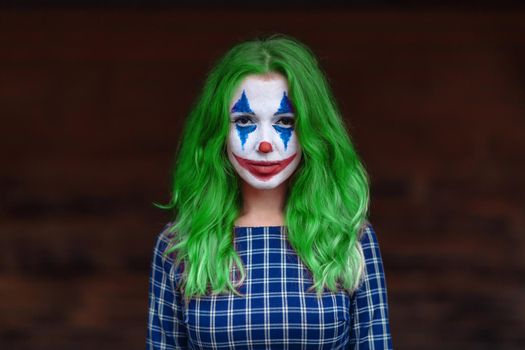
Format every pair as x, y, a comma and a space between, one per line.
263, 185
259, 184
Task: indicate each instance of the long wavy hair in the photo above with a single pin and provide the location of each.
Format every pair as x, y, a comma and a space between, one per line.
327, 199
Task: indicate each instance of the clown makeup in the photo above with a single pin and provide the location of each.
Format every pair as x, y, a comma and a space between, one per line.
262, 144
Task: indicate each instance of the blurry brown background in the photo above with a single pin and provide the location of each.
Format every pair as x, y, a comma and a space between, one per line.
92, 102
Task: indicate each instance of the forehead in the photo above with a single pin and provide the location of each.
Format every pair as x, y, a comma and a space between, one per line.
261, 87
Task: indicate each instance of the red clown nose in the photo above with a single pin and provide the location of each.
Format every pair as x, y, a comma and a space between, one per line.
265, 147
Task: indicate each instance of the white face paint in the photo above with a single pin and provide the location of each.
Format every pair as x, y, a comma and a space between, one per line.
262, 144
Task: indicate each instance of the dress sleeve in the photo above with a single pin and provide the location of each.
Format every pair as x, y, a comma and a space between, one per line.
370, 323
166, 327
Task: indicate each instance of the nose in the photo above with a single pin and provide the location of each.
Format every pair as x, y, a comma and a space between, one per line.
265, 147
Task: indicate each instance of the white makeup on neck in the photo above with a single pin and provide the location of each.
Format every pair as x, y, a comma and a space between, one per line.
262, 144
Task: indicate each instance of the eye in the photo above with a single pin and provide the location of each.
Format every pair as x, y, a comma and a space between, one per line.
286, 122
243, 120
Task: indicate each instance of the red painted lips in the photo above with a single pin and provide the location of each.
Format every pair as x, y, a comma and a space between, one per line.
264, 170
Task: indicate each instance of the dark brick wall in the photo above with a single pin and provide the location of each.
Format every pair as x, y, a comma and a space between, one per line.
92, 105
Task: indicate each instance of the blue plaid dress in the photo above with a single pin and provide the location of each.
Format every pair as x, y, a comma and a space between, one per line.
277, 312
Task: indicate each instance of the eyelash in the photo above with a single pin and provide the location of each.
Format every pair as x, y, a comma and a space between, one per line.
248, 118
291, 121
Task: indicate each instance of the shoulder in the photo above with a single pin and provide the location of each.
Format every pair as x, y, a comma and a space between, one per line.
373, 262
166, 262
367, 236
163, 241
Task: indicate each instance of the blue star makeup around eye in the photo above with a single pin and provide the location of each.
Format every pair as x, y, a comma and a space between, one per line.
286, 106
244, 131
242, 105
284, 133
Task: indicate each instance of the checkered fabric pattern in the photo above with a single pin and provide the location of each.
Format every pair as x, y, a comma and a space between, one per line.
276, 312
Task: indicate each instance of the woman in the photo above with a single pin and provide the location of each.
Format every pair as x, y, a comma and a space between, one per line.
269, 247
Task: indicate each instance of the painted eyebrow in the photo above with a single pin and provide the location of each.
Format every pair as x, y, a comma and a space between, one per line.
242, 105
285, 106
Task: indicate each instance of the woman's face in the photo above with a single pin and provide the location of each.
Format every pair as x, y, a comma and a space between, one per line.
262, 144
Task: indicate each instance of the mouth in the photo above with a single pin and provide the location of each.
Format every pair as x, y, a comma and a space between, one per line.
264, 170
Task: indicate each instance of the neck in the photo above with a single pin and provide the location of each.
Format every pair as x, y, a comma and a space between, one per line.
262, 207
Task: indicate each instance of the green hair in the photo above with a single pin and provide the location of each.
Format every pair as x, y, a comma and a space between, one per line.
327, 199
